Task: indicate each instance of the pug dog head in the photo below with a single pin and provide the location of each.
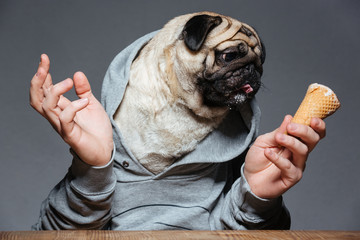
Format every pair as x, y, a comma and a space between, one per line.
233, 65
216, 60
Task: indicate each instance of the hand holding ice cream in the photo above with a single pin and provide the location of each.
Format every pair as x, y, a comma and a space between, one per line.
276, 160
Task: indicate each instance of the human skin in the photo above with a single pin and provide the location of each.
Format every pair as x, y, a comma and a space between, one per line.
274, 163
83, 123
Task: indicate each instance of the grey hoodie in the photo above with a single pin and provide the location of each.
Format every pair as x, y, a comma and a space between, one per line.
203, 190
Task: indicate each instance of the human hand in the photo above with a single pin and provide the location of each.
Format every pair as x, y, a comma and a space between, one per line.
83, 123
276, 161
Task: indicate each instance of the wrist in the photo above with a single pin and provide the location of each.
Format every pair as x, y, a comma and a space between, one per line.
100, 159
106, 158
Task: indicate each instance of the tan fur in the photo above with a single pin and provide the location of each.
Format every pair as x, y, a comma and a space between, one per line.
162, 116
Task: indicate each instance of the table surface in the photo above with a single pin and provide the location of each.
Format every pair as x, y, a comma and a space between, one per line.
174, 235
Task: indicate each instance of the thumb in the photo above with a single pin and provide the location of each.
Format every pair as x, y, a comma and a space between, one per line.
285, 122
82, 85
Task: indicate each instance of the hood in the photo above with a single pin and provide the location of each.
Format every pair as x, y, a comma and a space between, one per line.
229, 140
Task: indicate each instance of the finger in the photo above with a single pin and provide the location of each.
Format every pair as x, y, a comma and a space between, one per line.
298, 149
37, 82
67, 117
63, 102
44, 64
285, 122
50, 104
319, 126
82, 85
48, 82
36, 93
43, 70
307, 134
290, 173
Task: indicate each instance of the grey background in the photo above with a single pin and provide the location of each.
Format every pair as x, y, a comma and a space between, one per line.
307, 41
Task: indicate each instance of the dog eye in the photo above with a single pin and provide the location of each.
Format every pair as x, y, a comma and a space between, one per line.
230, 56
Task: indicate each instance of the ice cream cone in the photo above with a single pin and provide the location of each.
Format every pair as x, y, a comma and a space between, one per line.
319, 101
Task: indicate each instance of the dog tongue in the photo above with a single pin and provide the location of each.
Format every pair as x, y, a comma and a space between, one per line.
247, 88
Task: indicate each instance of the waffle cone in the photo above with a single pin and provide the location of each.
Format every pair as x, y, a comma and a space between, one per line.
319, 101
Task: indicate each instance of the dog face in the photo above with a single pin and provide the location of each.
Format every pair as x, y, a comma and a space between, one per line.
228, 59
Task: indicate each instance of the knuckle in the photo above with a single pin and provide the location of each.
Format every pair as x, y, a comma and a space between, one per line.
305, 150
287, 165
62, 117
32, 83
302, 148
317, 138
296, 177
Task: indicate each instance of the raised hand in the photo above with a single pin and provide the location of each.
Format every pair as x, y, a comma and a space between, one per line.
276, 160
82, 123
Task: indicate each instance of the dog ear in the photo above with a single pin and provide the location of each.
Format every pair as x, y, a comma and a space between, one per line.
197, 28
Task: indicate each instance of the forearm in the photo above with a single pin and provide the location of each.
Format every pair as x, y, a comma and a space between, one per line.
82, 200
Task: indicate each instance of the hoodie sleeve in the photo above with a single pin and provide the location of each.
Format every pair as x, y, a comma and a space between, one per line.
82, 200
244, 210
